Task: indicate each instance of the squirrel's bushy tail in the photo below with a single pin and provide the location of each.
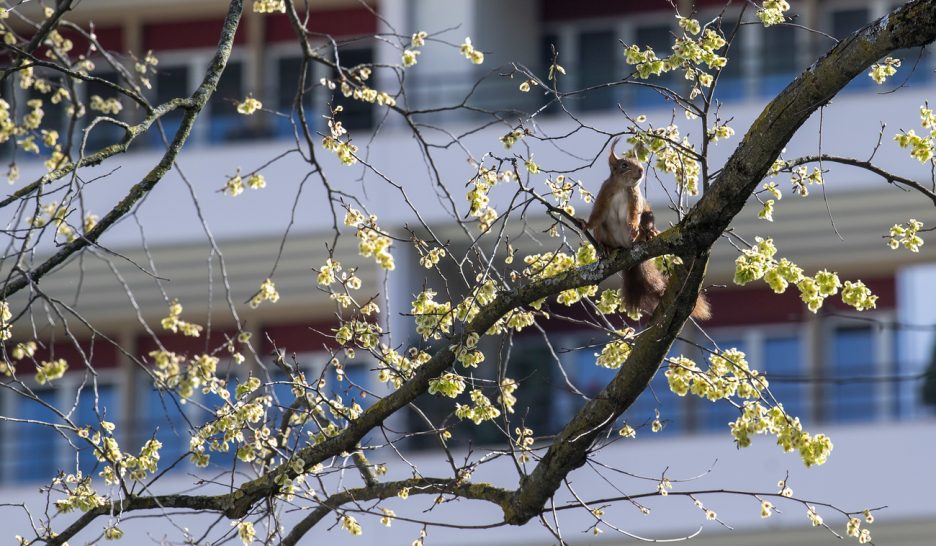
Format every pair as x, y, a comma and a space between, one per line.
643, 289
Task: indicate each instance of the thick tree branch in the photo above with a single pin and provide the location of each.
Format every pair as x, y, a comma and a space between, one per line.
417, 486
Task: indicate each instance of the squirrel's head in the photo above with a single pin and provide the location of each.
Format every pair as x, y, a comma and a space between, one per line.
626, 167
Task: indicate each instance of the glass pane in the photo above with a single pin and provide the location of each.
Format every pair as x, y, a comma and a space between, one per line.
351, 388
91, 413
597, 53
224, 122
783, 366
777, 70
660, 39
658, 396
852, 356
162, 413
104, 134
172, 82
357, 114
731, 79
844, 22
287, 69
36, 446
548, 41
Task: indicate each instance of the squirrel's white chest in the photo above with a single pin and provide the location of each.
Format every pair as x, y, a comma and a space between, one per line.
617, 219
618, 208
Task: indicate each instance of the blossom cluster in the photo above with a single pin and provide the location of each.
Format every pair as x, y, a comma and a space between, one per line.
615, 352
772, 12
371, 240
482, 410
922, 148
729, 374
759, 263
907, 235
269, 6
395, 368
409, 55
174, 324
468, 50
757, 419
884, 69
803, 178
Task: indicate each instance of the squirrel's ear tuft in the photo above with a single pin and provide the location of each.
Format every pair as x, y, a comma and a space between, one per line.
613, 157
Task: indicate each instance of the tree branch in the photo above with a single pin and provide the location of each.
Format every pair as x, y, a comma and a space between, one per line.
868, 166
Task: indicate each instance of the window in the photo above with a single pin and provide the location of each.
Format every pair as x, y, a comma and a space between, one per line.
659, 38
170, 82
731, 80
225, 124
657, 397
548, 41
90, 413
778, 58
357, 114
287, 84
843, 23
852, 355
783, 366
161, 412
104, 133
597, 52
35, 446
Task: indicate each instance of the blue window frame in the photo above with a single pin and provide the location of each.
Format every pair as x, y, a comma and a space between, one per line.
852, 355
783, 360
90, 413
36, 446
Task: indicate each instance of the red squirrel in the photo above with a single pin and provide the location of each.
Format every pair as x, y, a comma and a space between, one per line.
620, 217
